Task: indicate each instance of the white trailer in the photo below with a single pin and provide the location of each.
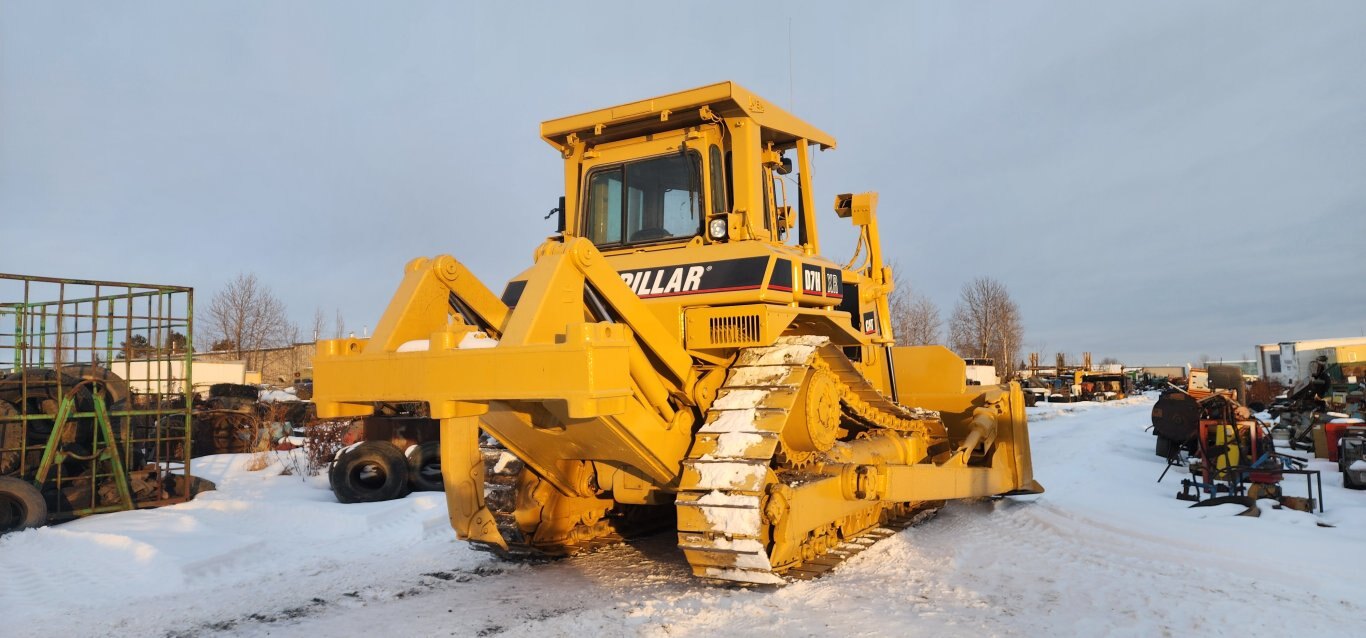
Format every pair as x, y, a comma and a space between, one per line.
148, 376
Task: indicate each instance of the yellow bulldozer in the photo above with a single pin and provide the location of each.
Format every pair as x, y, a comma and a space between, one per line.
680, 353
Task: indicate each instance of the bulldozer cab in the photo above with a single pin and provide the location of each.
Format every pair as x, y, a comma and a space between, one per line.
704, 166
702, 201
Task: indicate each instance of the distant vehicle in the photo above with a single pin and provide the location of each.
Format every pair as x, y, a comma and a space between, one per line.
1102, 386
1035, 391
982, 372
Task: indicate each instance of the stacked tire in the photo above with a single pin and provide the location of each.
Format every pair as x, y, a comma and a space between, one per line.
424, 467
373, 471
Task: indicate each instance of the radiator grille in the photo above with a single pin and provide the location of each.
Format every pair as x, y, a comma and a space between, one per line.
735, 330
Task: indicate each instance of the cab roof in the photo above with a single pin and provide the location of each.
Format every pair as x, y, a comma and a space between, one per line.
678, 110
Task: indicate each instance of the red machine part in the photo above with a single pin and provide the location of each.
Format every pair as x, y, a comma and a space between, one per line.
1333, 430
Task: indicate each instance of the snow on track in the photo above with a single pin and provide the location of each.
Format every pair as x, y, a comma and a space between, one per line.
1106, 551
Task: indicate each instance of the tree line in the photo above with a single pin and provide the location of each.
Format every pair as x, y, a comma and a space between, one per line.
985, 322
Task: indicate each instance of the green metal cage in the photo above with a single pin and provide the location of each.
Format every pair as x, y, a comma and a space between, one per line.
96, 392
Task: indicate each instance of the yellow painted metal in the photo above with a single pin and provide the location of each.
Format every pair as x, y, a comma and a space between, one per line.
419, 306
588, 373
729, 327
725, 99
463, 473
861, 209
749, 218
618, 378
928, 371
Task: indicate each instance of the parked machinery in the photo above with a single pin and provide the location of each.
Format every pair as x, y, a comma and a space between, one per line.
1227, 450
681, 348
1352, 458
1102, 386
229, 421
1304, 407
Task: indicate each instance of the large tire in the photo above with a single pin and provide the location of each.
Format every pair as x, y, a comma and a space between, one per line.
11, 439
21, 505
369, 472
235, 391
424, 467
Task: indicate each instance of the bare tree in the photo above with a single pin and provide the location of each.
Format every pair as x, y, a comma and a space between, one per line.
924, 323
246, 316
339, 326
915, 319
986, 323
319, 323
1107, 361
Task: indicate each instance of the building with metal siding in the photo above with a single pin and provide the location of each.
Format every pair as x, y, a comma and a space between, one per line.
1287, 361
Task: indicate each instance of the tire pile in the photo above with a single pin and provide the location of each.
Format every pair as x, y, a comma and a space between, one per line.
394, 456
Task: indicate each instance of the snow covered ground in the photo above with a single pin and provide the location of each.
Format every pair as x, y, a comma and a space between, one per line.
1106, 551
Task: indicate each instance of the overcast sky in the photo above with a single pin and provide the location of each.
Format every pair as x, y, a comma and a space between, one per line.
1151, 180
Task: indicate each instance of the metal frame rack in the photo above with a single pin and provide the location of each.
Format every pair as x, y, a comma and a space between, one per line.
96, 392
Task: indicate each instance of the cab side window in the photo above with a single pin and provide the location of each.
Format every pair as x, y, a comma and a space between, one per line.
604, 206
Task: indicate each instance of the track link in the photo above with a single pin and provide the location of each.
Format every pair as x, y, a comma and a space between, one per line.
508, 483
894, 519
724, 528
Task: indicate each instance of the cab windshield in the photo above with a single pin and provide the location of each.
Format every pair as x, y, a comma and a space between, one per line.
645, 201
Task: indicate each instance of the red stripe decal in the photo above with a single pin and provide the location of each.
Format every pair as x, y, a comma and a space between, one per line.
698, 292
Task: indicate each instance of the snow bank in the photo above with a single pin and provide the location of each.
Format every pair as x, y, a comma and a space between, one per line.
273, 396
262, 540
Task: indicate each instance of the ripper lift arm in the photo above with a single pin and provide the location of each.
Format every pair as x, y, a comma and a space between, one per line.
596, 351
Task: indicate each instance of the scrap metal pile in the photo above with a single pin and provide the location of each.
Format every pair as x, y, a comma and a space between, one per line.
1304, 406
1066, 383
234, 419
1229, 452
94, 405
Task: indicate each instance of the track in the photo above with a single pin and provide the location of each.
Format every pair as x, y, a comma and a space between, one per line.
507, 479
732, 503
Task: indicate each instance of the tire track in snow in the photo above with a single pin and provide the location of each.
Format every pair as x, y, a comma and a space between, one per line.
1099, 582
